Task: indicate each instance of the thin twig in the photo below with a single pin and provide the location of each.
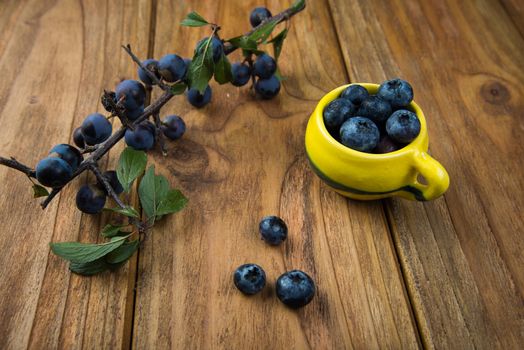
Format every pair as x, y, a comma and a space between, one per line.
150, 74
14, 164
159, 134
103, 180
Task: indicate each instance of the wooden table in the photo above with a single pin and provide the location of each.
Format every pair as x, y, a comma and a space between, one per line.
390, 274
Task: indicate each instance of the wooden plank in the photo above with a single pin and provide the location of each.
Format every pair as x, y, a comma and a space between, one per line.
461, 254
515, 10
242, 159
59, 55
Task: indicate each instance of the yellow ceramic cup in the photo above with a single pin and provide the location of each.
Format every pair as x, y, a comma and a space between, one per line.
369, 176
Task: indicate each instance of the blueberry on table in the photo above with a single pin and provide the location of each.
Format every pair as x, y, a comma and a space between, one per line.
386, 145
53, 172
142, 138
360, 134
132, 92
70, 154
173, 127
172, 67
355, 93
397, 92
403, 126
295, 289
273, 230
258, 15
375, 108
96, 129
78, 138
241, 74
216, 45
264, 66
152, 65
337, 112
267, 88
90, 199
249, 278
133, 114
112, 178
197, 99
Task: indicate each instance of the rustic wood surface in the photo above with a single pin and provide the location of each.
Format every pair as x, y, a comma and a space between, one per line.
390, 274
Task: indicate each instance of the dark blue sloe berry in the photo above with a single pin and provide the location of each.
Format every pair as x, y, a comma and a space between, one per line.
403, 126
78, 138
112, 178
273, 230
241, 74
267, 88
173, 127
337, 112
397, 92
258, 15
53, 172
142, 138
132, 92
152, 65
360, 134
216, 45
172, 67
96, 129
295, 289
355, 93
90, 199
264, 66
70, 154
249, 278
197, 99
375, 108
133, 114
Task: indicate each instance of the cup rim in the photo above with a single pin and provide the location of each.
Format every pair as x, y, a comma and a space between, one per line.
414, 145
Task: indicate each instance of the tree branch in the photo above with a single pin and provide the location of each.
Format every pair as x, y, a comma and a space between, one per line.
14, 164
150, 74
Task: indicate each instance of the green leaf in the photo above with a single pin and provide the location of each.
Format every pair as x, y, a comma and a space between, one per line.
113, 230
89, 268
278, 41
178, 88
122, 253
223, 74
85, 252
39, 191
193, 19
243, 42
202, 66
298, 5
153, 188
263, 32
173, 202
127, 211
130, 166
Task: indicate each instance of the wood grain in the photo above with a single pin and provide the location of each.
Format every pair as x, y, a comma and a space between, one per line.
241, 159
57, 57
461, 254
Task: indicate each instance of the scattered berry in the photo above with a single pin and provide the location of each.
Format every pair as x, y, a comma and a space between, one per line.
197, 99
216, 45
133, 92
264, 66
397, 92
53, 172
295, 289
386, 145
355, 93
173, 127
267, 88
96, 129
152, 65
78, 138
90, 199
360, 134
403, 126
112, 178
337, 112
142, 138
375, 108
258, 15
249, 278
70, 154
172, 68
241, 74
273, 230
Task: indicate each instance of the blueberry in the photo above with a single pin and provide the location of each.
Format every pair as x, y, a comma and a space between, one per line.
273, 230
360, 134
133, 114
70, 154
397, 92
133, 92
216, 45
152, 65
249, 278
258, 15
142, 138
355, 93
386, 145
403, 126
264, 66
337, 112
267, 88
53, 172
173, 127
96, 129
172, 67
197, 99
375, 108
241, 74
295, 289
112, 178
90, 199
78, 138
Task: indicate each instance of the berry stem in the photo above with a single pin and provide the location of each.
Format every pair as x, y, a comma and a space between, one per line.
160, 134
95, 170
150, 74
13, 163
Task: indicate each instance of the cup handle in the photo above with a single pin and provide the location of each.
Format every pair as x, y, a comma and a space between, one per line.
435, 174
